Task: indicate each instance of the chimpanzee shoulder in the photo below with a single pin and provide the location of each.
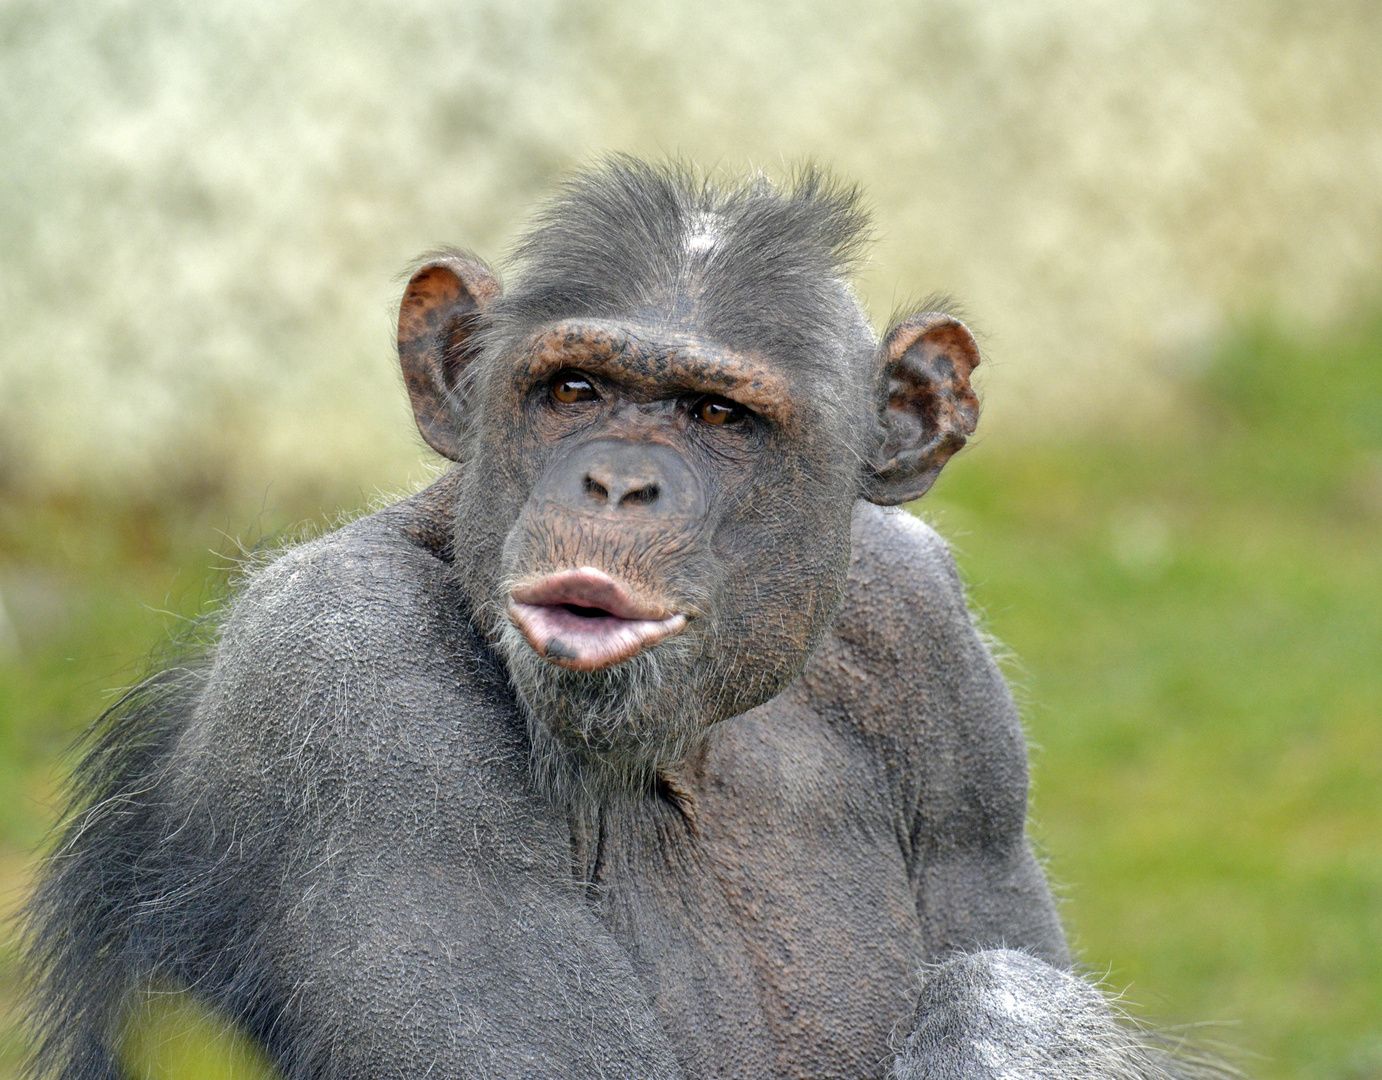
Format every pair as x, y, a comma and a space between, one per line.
907, 675
348, 675
905, 634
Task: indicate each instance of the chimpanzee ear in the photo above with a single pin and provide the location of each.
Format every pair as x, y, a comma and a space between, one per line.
442, 309
930, 408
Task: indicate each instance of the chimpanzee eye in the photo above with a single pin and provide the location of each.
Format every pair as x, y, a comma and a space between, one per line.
718, 410
570, 387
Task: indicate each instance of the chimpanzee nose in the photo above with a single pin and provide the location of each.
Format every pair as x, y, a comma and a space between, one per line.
607, 487
621, 476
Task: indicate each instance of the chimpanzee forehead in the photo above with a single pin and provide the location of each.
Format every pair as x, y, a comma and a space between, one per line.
759, 268
659, 363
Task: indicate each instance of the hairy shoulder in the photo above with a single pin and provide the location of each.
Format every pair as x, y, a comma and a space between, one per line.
353, 595
348, 675
904, 624
905, 669
904, 590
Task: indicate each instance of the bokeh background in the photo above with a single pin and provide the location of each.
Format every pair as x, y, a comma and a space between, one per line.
1164, 218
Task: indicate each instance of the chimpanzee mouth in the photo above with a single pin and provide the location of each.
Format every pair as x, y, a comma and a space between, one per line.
585, 620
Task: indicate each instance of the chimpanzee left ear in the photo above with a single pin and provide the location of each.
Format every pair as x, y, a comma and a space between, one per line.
930, 408
442, 308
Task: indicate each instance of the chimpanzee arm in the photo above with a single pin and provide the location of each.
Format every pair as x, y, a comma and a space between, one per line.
935, 703
997, 998
358, 756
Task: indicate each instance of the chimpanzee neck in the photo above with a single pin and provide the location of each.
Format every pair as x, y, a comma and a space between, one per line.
663, 813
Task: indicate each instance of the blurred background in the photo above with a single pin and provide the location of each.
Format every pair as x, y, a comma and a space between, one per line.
1163, 217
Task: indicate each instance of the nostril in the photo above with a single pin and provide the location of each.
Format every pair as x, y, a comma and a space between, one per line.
641, 496
595, 489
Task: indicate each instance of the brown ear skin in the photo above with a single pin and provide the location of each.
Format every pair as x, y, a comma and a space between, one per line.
930, 409
437, 319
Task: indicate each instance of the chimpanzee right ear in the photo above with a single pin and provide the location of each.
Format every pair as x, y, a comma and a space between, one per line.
441, 311
928, 408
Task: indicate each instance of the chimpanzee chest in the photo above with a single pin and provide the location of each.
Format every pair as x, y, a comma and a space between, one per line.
770, 918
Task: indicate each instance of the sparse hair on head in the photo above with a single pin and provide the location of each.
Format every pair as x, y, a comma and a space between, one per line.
760, 266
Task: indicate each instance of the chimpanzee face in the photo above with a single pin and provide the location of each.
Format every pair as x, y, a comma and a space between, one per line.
682, 535
663, 430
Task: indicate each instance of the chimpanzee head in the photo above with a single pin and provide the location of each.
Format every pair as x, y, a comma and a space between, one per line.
664, 423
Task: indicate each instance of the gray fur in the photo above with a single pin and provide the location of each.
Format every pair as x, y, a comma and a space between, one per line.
1004, 1015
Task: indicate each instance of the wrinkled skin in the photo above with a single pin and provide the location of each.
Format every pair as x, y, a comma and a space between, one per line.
641, 744
633, 484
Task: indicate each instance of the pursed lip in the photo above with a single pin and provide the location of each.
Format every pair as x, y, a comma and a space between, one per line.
585, 620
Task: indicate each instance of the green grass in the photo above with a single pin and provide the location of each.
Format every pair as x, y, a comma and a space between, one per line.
1197, 617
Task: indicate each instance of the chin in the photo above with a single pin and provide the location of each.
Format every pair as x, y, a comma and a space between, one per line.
616, 730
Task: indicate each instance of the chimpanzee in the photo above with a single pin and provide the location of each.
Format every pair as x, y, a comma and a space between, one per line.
643, 743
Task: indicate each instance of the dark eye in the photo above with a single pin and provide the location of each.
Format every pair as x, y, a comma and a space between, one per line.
570, 387
718, 410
